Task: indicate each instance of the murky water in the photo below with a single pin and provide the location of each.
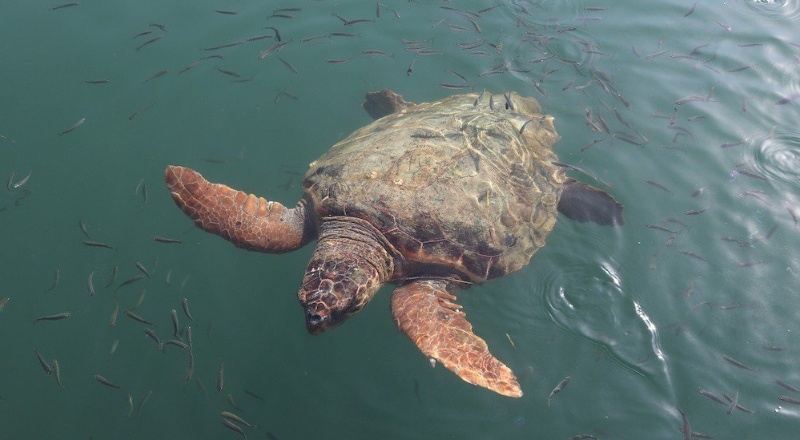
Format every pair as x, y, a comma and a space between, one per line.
687, 110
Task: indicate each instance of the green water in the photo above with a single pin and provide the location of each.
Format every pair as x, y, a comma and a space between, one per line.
632, 315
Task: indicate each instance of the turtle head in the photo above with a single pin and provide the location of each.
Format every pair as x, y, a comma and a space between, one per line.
347, 268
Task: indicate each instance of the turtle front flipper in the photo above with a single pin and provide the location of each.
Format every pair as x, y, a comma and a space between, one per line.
425, 311
247, 221
585, 203
384, 102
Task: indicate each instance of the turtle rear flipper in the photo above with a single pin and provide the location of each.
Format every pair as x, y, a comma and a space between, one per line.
247, 221
426, 313
584, 203
384, 102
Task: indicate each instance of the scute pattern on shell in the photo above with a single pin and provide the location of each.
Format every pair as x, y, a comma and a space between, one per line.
461, 187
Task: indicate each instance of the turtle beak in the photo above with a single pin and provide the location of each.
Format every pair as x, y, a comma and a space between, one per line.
318, 318
326, 304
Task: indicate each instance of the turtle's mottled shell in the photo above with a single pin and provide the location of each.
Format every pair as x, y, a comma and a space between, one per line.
462, 187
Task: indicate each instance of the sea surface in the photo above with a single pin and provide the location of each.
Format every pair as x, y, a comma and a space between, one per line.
686, 111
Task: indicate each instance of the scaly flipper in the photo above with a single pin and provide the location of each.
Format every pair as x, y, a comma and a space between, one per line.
585, 203
247, 221
384, 102
426, 313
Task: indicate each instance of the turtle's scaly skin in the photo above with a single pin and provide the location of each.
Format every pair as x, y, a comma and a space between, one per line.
247, 221
433, 197
438, 327
453, 185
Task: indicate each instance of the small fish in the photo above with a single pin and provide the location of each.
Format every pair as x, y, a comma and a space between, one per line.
74, 126
83, 229
698, 192
140, 299
145, 399
166, 240
455, 86
152, 334
658, 185
230, 425
55, 317
185, 306
152, 40
114, 346
377, 53
791, 400
112, 321
734, 402
739, 407
511, 341
787, 386
277, 33
156, 75
130, 406
232, 402
226, 12
136, 317
737, 363
410, 69
21, 182
288, 65
731, 144
712, 396
190, 369
98, 244
106, 382
144, 194
90, 284
687, 431
57, 371
113, 277
273, 48
130, 280
189, 336
3, 302
561, 385
773, 348
261, 398
696, 211
174, 315
660, 228
56, 278
141, 267
315, 37
691, 10
235, 418
693, 255
220, 377
97, 81
787, 99
45, 366
175, 342
65, 5
228, 72
135, 114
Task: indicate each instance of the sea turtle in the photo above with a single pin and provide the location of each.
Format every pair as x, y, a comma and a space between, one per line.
432, 197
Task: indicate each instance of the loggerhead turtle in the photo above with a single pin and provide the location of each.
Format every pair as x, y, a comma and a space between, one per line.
433, 197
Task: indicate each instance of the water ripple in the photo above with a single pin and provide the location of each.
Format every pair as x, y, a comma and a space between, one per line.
778, 156
776, 8
590, 300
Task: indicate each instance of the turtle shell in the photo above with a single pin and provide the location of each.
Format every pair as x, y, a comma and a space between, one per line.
462, 187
